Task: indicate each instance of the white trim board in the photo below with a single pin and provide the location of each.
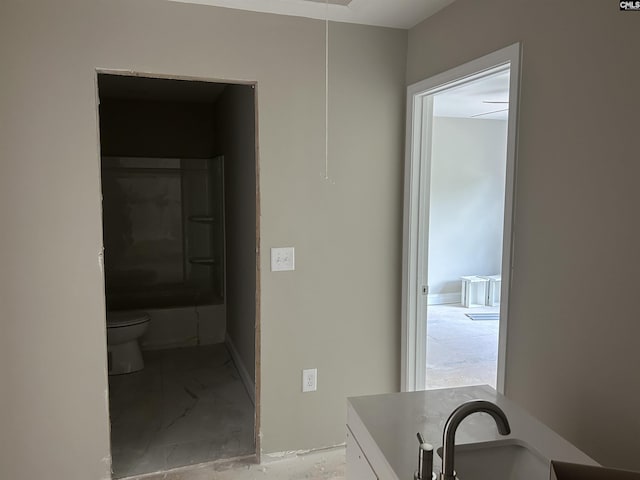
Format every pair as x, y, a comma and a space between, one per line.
248, 382
416, 195
443, 298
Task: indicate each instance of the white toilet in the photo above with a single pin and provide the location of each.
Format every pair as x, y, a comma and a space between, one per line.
123, 330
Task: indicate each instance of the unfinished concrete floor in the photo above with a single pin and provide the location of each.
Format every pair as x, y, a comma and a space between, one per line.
461, 351
327, 464
186, 407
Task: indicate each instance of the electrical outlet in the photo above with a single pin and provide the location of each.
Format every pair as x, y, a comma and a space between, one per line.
282, 259
310, 380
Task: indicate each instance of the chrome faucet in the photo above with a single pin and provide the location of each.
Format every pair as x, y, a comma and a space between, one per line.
454, 420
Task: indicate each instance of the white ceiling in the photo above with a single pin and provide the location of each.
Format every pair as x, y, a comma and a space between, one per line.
386, 13
484, 98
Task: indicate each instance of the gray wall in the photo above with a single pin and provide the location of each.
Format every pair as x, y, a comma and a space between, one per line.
344, 294
572, 352
235, 132
466, 210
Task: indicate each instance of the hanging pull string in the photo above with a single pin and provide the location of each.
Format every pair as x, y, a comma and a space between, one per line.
326, 92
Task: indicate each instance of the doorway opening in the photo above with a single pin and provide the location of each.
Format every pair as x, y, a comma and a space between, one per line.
458, 221
180, 229
464, 244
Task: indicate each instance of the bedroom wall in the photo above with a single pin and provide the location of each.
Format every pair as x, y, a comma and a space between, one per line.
468, 167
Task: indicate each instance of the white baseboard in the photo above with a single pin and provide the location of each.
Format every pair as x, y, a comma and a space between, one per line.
443, 298
248, 382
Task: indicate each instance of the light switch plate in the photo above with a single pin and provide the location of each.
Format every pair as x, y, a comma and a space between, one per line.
282, 259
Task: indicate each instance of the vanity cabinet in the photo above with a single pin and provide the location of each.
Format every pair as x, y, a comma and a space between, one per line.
358, 466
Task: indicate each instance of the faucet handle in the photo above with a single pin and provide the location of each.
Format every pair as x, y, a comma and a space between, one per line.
425, 460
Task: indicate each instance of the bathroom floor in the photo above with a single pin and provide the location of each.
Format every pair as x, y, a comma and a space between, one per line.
461, 351
187, 406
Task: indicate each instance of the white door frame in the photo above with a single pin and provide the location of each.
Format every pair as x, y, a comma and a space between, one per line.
416, 198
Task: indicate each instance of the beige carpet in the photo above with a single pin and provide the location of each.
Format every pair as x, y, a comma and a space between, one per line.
461, 351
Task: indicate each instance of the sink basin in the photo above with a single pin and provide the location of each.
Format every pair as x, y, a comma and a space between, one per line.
509, 459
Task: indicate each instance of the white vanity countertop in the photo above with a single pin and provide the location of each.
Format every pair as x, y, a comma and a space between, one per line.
386, 426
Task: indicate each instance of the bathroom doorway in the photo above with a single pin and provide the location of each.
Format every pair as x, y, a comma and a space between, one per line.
180, 229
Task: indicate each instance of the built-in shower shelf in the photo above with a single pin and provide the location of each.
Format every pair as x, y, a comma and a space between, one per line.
202, 219
203, 260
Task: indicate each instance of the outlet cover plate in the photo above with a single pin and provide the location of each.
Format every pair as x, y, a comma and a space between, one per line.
310, 380
282, 259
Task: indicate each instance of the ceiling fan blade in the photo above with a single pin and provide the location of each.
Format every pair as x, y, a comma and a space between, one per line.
489, 113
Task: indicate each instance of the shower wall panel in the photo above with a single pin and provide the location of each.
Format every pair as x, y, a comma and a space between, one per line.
163, 232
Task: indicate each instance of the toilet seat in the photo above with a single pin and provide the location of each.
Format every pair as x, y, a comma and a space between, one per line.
126, 319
